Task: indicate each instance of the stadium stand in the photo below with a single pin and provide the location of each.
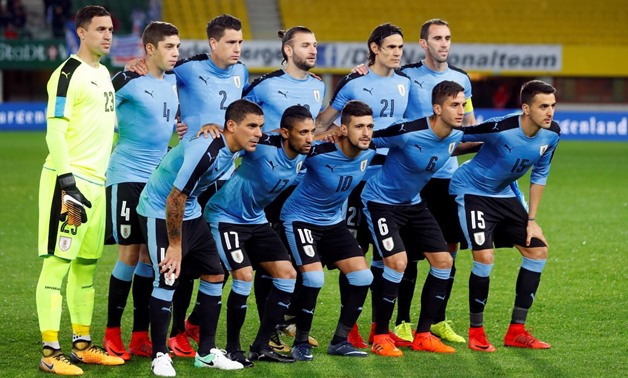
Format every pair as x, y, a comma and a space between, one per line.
191, 16
480, 21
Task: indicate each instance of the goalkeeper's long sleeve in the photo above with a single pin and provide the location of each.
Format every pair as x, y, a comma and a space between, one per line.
55, 138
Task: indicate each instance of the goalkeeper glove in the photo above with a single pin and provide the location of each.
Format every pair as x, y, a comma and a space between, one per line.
73, 202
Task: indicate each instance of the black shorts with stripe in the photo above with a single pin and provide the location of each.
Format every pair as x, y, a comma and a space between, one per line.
123, 226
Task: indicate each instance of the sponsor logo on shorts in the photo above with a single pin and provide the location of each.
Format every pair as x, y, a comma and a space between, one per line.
65, 243
309, 250
125, 231
479, 238
237, 256
388, 243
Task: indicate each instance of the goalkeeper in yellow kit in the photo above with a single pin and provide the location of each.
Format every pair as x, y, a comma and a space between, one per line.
72, 204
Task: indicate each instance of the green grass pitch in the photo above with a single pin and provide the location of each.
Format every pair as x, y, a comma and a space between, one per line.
581, 306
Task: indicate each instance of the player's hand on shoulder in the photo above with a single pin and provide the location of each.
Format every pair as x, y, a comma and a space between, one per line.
181, 128
210, 129
361, 69
533, 230
137, 65
315, 76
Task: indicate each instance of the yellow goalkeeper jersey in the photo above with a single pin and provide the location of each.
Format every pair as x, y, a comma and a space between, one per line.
83, 97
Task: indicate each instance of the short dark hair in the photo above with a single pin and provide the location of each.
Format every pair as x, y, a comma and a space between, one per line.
532, 88
425, 28
216, 26
239, 109
294, 114
445, 89
157, 31
288, 35
378, 35
354, 108
84, 15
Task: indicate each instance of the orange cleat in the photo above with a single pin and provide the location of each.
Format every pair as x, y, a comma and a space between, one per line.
427, 342
193, 331
180, 346
399, 342
383, 345
113, 344
517, 336
140, 344
478, 340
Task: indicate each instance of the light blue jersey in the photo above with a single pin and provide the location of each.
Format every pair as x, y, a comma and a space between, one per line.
277, 91
190, 167
416, 153
420, 100
387, 96
146, 109
330, 178
259, 179
205, 90
505, 156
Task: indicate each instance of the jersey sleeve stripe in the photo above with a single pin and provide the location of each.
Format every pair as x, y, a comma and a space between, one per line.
257, 81
342, 83
402, 128
209, 157
64, 84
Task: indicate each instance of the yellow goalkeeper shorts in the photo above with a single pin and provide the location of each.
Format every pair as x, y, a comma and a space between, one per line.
56, 236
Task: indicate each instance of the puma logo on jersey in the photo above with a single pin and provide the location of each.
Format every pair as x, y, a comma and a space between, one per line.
330, 167
149, 93
420, 84
204, 80
93, 82
509, 148
272, 165
370, 91
66, 74
284, 94
402, 127
495, 127
419, 147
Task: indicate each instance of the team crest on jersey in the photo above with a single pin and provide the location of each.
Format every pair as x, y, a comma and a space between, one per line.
402, 89
125, 231
543, 149
388, 243
65, 243
309, 250
363, 164
237, 256
452, 146
479, 238
236, 81
317, 96
299, 164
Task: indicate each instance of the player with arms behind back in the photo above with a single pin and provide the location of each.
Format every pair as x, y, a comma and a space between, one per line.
146, 108
72, 200
492, 215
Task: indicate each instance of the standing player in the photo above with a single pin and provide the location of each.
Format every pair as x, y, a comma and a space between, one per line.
317, 234
72, 203
246, 239
179, 241
436, 42
386, 92
275, 92
491, 214
392, 202
146, 107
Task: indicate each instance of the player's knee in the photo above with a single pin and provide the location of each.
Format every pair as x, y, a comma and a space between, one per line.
441, 260
398, 264
362, 277
314, 279
285, 284
243, 275
286, 271
242, 287
539, 253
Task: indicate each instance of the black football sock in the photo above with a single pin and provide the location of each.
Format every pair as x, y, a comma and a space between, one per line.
209, 304
180, 304
118, 294
160, 312
432, 297
236, 313
277, 304
262, 286
386, 302
305, 313
142, 288
527, 285
376, 289
406, 292
441, 316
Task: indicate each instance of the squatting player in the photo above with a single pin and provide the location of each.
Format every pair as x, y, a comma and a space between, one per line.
179, 242
392, 203
146, 108
72, 201
491, 214
316, 231
245, 238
